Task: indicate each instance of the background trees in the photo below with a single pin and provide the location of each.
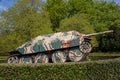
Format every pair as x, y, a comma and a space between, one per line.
30, 18
77, 22
22, 22
57, 11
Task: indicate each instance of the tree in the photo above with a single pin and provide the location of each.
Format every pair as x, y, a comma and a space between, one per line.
107, 18
77, 22
80, 23
81, 6
24, 21
57, 11
102, 15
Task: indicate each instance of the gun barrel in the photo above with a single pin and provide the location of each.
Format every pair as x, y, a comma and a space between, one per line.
99, 33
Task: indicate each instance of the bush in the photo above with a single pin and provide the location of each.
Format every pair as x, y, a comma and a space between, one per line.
92, 70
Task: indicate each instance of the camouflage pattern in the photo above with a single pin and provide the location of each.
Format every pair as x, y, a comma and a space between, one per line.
51, 42
58, 47
25, 59
59, 57
41, 58
13, 59
75, 55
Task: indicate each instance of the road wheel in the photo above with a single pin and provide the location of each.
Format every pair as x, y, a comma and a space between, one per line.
59, 57
13, 59
75, 55
26, 59
85, 47
41, 58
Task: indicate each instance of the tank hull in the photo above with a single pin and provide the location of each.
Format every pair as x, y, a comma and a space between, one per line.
57, 48
51, 42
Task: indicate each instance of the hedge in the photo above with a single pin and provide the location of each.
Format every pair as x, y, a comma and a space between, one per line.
90, 70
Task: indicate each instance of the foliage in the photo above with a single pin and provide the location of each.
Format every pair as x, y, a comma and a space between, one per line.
81, 6
77, 22
57, 11
99, 70
24, 21
107, 18
111, 42
30, 18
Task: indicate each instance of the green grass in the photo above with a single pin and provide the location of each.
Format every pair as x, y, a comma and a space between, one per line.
3, 59
105, 54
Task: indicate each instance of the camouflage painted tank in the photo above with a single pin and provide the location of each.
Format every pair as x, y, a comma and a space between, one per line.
57, 47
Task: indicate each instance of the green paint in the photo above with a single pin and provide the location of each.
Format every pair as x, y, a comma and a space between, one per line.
57, 58
38, 47
76, 52
76, 41
21, 50
26, 59
56, 44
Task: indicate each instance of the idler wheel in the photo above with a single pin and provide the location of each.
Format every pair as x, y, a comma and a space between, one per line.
75, 55
59, 57
26, 59
13, 59
41, 58
86, 47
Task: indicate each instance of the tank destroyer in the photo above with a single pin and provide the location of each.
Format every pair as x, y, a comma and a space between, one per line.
56, 48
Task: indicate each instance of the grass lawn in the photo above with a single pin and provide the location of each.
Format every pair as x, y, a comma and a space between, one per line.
105, 54
3, 59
